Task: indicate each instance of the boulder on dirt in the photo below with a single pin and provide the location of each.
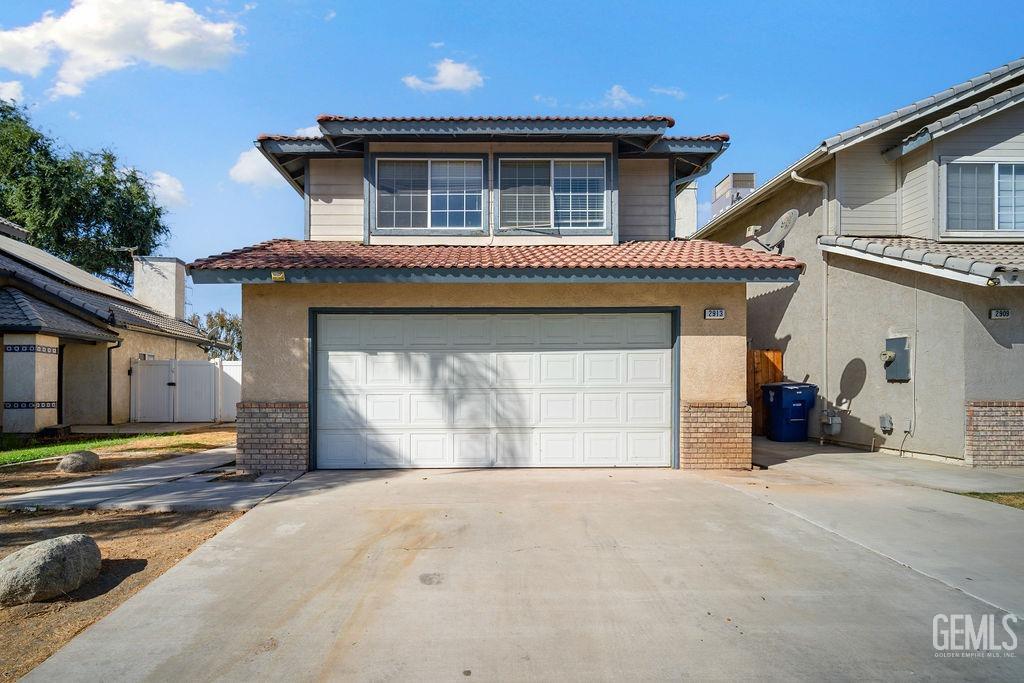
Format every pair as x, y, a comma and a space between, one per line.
79, 461
47, 569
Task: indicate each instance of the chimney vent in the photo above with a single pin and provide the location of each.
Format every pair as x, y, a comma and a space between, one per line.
160, 284
731, 189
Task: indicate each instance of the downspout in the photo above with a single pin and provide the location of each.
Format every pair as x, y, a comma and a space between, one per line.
110, 398
824, 295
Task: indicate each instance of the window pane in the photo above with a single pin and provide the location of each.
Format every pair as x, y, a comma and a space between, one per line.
402, 194
970, 192
1011, 197
525, 194
455, 185
579, 194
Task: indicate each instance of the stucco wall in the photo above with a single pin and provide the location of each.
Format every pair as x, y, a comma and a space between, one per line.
274, 366
994, 355
135, 343
85, 383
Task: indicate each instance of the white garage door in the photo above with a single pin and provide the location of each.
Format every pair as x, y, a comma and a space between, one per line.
493, 390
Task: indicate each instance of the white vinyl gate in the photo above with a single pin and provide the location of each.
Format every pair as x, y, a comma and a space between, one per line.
494, 390
175, 391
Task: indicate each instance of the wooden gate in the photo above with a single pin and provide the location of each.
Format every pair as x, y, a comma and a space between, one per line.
763, 366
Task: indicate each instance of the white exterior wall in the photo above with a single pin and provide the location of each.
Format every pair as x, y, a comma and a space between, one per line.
999, 137
866, 189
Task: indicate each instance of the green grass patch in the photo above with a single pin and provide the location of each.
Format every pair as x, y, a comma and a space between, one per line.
35, 451
1014, 499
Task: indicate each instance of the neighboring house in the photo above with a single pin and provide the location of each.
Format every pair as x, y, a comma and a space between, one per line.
912, 229
70, 338
493, 291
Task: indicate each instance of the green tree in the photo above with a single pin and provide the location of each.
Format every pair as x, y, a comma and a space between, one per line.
79, 206
220, 326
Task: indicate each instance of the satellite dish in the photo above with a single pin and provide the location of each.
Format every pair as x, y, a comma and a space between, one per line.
774, 237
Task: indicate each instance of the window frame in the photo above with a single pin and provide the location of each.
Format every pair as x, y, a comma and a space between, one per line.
993, 233
610, 217
372, 191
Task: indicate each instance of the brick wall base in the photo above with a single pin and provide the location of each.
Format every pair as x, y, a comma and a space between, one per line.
273, 437
995, 433
714, 435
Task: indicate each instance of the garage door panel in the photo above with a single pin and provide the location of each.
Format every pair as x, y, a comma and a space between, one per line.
340, 449
647, 368
336, 410
473, 449
484, 390
602, 408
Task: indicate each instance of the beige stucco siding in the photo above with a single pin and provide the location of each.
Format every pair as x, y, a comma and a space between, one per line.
274, 366
643, 199
994, 355
336, 199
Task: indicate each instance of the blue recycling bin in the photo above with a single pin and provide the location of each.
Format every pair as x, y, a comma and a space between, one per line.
787, 409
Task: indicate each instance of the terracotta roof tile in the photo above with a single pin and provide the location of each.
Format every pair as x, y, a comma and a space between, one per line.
374, 119
284, 254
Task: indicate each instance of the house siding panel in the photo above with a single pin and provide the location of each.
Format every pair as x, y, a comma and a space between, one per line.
918, 194
336, 199
867, 190
643, 199
999, 137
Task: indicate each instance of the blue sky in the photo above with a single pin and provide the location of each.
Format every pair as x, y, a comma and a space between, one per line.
181, 90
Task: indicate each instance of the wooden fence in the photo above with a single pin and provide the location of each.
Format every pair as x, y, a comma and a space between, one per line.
763, 366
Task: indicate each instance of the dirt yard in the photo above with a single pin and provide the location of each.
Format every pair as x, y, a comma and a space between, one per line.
29, 476
137, 547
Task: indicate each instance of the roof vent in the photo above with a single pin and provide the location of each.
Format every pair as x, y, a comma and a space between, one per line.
731, 189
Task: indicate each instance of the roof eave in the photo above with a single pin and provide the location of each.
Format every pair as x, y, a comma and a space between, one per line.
451, 275
811, 159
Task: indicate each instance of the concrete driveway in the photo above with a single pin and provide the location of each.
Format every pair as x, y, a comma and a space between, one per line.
530, 574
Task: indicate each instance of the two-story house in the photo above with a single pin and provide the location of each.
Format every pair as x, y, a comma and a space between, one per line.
910, 317
493, 291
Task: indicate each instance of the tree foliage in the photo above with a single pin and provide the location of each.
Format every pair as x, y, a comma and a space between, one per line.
79, 206
223, 327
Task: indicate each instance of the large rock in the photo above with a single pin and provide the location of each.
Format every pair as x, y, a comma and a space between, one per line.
79, 461
47, 569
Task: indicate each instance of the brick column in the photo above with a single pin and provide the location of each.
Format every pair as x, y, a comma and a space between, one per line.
30, 382
995, 433
715, 435
273, 437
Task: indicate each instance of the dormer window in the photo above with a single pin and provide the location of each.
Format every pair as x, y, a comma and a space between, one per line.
567, 195
984, 196
430, 194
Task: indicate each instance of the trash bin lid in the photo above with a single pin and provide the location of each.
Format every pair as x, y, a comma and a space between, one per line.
790, 385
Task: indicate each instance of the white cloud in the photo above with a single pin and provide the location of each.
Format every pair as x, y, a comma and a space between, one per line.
448, 75
167, 189
546, 100
437, 44
616, 97
95, 37
329, 16
11, 90
722, 98
669, 91
309, 132
252, 168
74, 115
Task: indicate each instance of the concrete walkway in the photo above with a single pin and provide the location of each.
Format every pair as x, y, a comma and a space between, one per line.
173, 485
576, 575
900, 508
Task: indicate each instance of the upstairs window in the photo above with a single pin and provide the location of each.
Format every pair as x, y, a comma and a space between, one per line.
552, 194
430, 194
984, 197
